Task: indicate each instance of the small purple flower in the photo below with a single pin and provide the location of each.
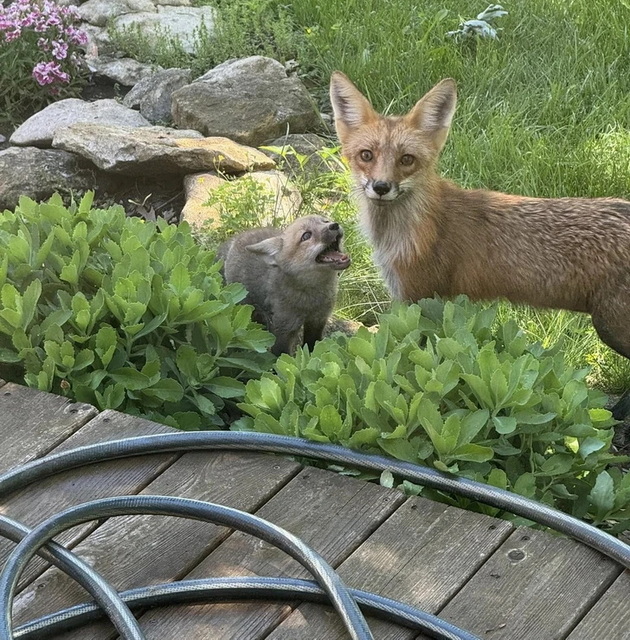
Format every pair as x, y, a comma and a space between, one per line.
76, 36
49, 72
60, 49
13, 35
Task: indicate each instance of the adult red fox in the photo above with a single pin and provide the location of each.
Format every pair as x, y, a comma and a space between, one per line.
432, 237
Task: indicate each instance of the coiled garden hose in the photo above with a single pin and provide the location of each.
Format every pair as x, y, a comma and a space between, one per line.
222, 440
206, 591
231, 589
330, 581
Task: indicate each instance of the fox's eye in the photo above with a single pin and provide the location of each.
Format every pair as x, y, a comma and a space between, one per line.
366, 155
305, 236
407, 159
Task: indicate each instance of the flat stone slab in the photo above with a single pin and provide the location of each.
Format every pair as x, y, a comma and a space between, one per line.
147, 151
39, 129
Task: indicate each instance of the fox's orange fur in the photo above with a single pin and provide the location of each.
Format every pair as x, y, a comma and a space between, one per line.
432, 237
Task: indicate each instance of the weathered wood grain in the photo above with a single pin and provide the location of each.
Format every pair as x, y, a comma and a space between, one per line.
332, 513
609, 619
32, 423
534, 586
138, 550
34, 504
421, 555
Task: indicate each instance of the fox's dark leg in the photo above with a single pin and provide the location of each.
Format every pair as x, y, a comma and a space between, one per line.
286, 327
313, 331
613, 327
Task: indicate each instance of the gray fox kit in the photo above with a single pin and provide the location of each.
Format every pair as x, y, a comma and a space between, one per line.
290, 276
431, 236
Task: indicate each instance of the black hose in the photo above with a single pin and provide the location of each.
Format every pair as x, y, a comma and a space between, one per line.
221, 440
211, 590
107, 597
246, 587
236, 589
331, 583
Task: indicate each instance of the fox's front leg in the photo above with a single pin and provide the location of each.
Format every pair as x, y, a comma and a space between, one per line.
286, 328
313, 331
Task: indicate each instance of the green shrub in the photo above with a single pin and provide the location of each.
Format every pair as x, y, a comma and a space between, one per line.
123, 314
438, 385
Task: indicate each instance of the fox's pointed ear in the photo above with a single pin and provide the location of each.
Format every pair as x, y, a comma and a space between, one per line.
350, 106
268, 249
433, 113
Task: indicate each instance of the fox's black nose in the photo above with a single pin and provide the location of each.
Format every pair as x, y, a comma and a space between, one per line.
334, 226
381, 188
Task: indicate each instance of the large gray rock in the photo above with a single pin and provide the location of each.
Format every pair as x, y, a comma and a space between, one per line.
250, 100
179, 22
148, 151
153, 95
38, 173
99, 12
38, 130
125, 71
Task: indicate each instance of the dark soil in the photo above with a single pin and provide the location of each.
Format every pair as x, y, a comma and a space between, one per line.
147, 198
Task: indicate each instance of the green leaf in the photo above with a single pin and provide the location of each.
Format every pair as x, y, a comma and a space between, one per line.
525, 485
504, 424
180, 279
166, 390
602, 495
473, 453
387, 479
29, 302
367, 436
225, 387
130, 378
557, 465
472, 424
590, 445
361, 348
330, 422
480, 389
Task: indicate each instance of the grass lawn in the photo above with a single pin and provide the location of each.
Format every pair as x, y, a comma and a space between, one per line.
543, 111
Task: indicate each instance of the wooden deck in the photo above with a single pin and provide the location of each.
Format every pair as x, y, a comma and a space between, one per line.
483, 574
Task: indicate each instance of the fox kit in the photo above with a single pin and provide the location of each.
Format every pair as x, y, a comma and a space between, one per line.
290, 276
432, 237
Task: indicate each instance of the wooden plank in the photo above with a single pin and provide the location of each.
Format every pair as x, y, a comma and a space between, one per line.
332, 513
421, 555
37, 502
609, 619
536, 585
32, 423
139, 550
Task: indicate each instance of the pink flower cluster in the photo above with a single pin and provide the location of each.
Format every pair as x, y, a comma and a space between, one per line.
58, 37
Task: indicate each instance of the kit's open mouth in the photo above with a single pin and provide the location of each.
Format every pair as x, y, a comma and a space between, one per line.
333, 257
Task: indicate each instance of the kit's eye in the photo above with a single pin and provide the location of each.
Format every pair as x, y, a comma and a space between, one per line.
306, 236
366, 155
407, 159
